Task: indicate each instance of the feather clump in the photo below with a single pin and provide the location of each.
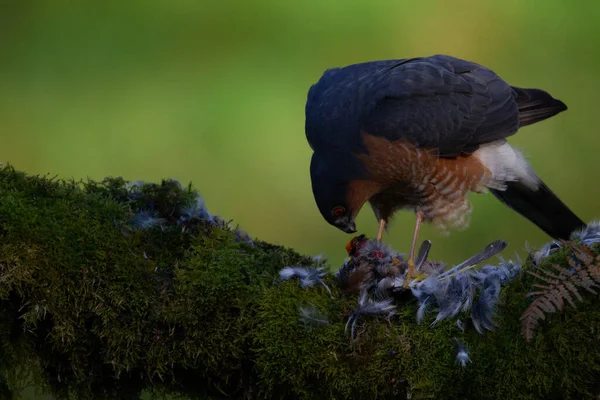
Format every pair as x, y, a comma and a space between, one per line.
374, 268
463, 288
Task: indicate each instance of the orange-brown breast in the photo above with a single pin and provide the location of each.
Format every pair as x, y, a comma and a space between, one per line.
406, 177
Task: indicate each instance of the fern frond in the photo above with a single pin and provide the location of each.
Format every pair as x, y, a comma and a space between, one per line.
557, 285
585, 256
549, 278
562, 291
582, 252
569, 285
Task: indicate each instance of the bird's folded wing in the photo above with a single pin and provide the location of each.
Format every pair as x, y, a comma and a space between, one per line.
441, 103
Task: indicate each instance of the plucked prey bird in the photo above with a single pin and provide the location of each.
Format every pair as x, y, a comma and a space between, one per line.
419, 134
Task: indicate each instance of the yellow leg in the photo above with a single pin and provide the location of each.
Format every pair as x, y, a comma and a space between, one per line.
381, 228
412, 271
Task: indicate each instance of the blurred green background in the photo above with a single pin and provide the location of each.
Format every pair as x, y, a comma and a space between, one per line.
213, 92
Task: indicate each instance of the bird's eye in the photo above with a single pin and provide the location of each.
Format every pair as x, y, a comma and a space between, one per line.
339, 211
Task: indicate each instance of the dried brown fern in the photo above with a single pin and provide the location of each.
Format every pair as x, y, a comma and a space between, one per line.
559, 284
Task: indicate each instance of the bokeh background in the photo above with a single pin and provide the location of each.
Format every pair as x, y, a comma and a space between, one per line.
213, 93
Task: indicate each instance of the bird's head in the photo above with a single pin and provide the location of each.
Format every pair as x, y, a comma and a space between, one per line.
342, 218
330, 189
335, 210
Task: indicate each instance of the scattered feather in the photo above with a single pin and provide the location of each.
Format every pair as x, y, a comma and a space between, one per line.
311, 317
423, 307
462, 354
319, 259
422, 254
489, 251
242, 236
369, 307
545, 251
196, 210
588, 235
133, 189
146, 220
308, 276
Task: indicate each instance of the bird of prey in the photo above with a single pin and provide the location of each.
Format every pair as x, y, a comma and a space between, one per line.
420, 134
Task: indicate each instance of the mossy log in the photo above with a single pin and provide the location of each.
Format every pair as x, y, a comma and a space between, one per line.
101, 300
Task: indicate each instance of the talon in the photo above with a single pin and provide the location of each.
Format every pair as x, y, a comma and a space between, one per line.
411, 273
412, 270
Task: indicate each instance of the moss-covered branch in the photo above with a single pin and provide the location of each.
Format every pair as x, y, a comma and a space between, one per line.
108, 289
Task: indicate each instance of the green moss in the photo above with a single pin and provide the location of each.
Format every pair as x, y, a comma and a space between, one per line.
93, 307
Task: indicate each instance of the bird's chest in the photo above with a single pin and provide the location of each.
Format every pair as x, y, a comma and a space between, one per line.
420, 186
418, 179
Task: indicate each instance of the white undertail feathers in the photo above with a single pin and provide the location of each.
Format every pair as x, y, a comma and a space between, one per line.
506, 165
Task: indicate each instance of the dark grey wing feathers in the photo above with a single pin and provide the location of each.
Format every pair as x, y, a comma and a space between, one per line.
442, 102
536, 105
437, 102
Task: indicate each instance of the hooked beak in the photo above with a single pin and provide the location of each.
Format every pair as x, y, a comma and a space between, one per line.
350, 227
